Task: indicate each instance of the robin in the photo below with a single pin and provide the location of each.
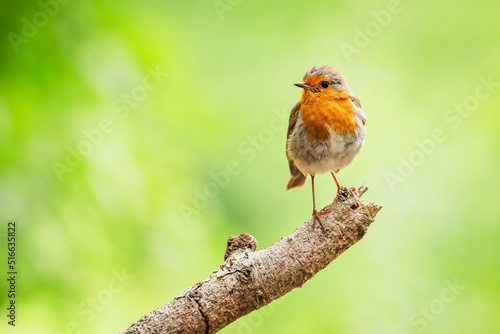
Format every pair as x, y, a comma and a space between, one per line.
326, 128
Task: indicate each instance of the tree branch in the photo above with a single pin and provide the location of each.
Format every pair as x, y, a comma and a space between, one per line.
248, 280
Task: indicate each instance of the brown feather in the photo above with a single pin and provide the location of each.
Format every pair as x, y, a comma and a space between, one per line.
297, 179
355, 100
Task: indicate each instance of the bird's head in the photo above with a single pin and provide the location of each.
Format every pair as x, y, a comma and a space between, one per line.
324, 79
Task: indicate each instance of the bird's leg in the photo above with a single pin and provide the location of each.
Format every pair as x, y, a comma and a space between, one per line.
336, 182
340, 189
345, 192
315, 213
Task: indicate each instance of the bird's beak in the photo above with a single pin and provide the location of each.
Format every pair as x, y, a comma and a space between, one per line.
302, 84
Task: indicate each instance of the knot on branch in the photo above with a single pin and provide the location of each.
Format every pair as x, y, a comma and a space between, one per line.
240, 243
352, 196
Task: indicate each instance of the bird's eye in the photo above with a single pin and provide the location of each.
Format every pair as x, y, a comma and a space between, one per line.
325, 84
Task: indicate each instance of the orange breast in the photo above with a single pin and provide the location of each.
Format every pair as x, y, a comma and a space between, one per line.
321, 109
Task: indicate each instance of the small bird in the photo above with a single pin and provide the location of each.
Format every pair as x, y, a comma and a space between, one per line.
326, 128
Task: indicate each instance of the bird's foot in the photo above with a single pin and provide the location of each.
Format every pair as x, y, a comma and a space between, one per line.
343, 194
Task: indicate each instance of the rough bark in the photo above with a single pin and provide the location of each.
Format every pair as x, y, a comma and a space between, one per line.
248, 280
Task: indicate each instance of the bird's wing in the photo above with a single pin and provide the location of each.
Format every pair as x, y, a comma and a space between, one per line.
355, 100
297, 179
357, 103
294, 114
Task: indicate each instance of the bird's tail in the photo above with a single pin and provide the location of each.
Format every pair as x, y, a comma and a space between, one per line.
297, 179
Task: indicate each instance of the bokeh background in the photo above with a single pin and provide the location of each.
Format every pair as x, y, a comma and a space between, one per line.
137, 136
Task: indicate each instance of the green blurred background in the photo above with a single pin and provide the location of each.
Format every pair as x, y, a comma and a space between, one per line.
116, 116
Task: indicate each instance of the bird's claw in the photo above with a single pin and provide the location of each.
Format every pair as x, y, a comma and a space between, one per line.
343, 194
